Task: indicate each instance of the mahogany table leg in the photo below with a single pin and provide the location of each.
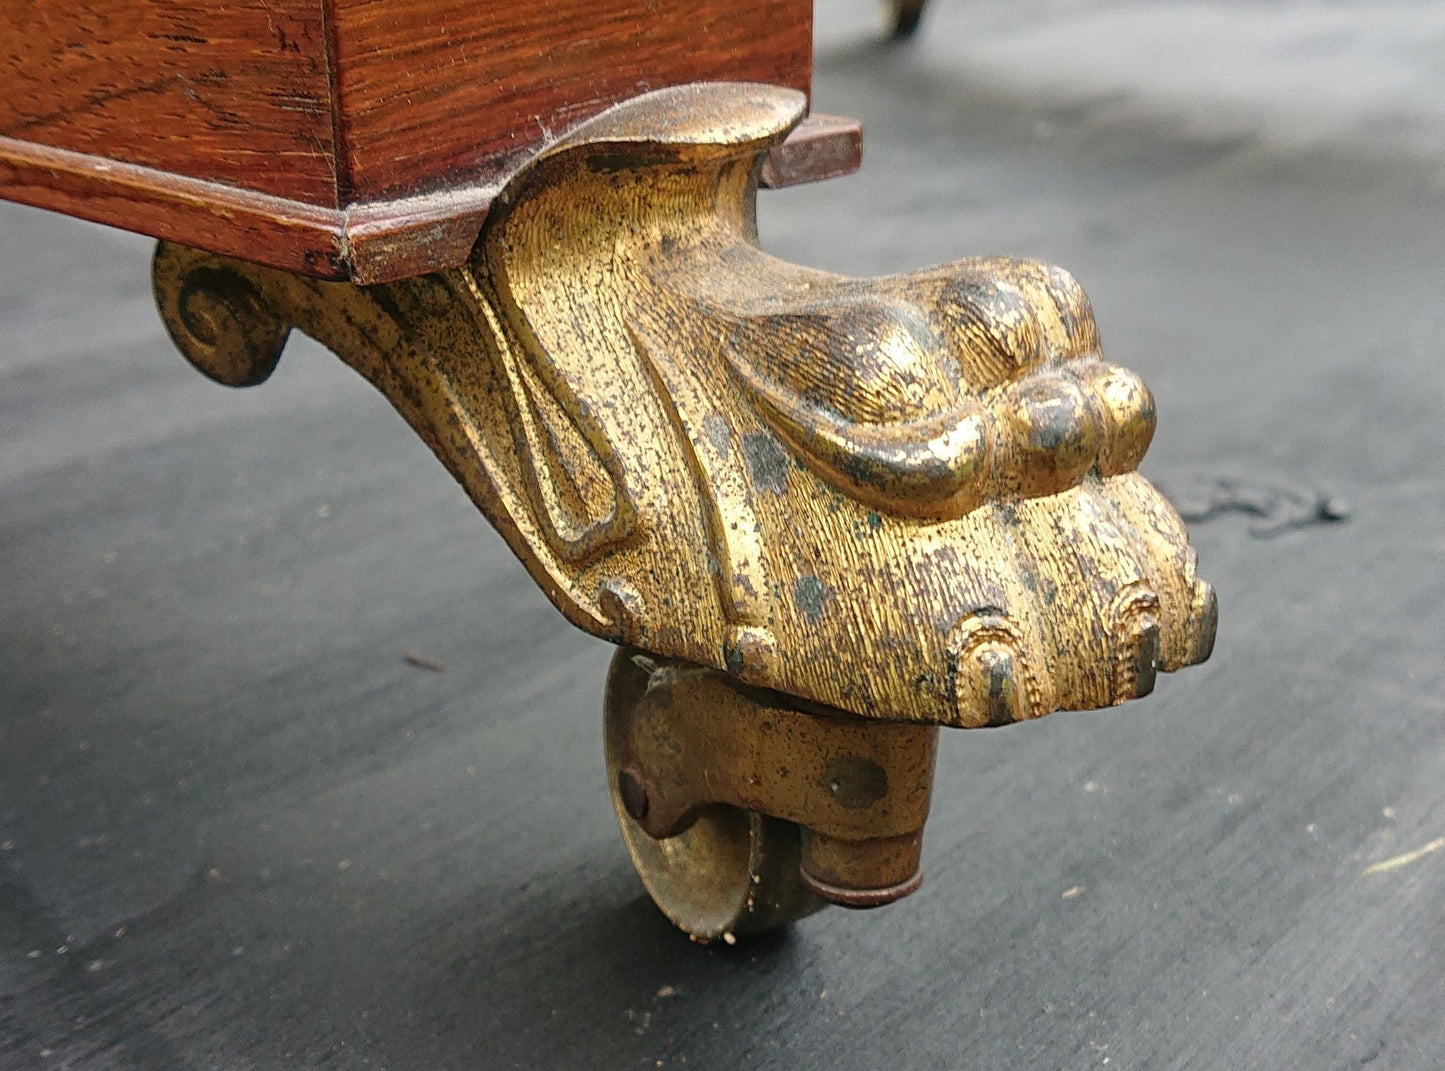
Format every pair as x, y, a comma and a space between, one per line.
909, 499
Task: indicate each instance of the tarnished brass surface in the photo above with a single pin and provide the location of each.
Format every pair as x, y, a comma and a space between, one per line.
912, 498
730, 871
682, 738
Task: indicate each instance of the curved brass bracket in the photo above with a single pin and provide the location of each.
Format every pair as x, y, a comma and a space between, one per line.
912, 498
692, 738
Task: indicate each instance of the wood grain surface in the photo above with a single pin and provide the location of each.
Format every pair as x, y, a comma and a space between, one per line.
350, 139
279, 231
436, 91
235, 93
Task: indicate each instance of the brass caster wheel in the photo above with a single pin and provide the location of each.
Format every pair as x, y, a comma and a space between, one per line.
731, 871
744, 808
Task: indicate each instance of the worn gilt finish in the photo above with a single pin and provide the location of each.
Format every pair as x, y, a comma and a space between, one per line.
910, 498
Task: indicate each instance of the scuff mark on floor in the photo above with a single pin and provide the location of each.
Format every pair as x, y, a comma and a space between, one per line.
1279, 505
1397, 861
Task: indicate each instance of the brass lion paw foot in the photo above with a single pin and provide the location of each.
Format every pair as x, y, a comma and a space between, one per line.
834, 513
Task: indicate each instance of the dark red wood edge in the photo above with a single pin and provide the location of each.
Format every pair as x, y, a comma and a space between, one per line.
363, 243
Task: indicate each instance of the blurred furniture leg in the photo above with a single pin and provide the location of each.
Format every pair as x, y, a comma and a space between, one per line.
907, 14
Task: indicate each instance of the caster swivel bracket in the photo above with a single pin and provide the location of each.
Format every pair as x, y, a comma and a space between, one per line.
859, 790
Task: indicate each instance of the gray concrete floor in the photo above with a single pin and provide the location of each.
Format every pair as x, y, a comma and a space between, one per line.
237, 830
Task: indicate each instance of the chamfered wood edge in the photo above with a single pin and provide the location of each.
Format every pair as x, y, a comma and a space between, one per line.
364, 243
270, 230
